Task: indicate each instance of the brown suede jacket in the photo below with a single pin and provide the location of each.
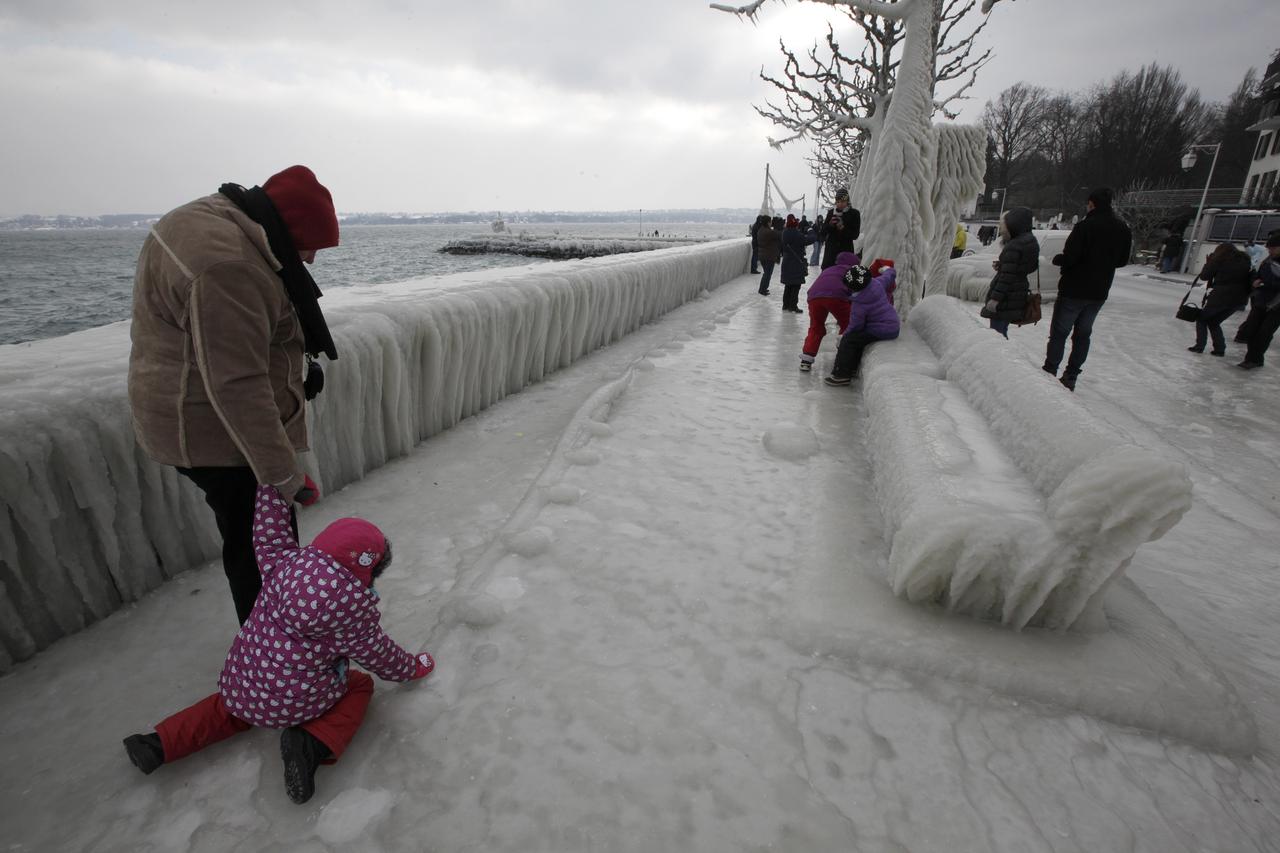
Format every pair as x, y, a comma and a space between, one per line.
216, 369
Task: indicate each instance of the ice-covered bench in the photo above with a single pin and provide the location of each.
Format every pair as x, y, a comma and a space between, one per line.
1003, 497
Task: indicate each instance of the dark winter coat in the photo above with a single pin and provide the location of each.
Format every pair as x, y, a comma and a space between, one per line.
795, 261
1095, 249
840, 238
1230, 280
1019, 258
769, 244
1172, 246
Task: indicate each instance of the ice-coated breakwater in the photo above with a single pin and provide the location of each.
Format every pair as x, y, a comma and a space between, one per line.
89, 523
560, 248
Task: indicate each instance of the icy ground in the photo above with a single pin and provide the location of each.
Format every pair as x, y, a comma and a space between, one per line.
628, 574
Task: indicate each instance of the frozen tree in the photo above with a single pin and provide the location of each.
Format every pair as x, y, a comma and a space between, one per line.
900, 219
838, 99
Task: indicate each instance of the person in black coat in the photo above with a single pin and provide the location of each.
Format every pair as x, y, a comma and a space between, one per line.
754, 231
1266, 287
769, 240
844, 223
1229, 276
795, 266
1010, 289
1098, 245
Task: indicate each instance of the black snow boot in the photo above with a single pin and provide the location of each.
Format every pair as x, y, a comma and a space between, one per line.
302, 753
145, 751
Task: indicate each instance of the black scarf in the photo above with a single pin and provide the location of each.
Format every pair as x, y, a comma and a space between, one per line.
298, 283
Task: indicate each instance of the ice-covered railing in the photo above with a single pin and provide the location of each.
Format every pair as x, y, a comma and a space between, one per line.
89, 523
1003, 497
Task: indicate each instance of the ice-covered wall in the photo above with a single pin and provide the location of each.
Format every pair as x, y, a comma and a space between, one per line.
1003, 497
89, 523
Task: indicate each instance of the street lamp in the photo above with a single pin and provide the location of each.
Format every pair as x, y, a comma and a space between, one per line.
1188, 161
1004, 194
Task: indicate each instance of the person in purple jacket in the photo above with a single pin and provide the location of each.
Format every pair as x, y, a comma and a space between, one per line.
827, 296
287, 668
871, 319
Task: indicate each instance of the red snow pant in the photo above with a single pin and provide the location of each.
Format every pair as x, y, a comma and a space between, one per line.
208, 721
818, 310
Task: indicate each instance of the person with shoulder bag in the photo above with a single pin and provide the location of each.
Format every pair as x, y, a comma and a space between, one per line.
1228, 275
1009, 296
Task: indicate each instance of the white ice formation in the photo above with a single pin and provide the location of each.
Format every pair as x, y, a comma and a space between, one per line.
89, 523
1003, 497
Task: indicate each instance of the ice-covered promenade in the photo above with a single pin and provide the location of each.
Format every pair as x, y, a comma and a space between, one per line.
655, 584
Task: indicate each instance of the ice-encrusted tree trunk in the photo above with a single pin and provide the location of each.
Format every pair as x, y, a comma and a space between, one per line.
960, 169
899, 218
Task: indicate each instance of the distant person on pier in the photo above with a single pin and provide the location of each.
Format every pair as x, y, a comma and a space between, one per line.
225, 322
769, 240
1267, 305
1229, 277
754, 231
1171, 252
820, 233
961, 241
1097, 246
795, 264
844, 223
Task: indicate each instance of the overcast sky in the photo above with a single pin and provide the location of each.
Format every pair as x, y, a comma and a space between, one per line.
139, 106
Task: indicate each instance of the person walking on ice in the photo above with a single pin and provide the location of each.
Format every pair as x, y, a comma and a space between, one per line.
287, 668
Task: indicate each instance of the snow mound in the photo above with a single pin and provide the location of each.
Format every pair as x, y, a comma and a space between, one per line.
790, 441
349, 815
475, 610
530, 543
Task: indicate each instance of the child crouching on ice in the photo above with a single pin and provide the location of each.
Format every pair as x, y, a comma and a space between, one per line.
871, 319
287, 668
827, 295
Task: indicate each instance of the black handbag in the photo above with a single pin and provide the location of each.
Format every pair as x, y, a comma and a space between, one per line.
1190, 311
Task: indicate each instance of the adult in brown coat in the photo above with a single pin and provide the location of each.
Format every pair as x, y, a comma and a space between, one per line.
224, 322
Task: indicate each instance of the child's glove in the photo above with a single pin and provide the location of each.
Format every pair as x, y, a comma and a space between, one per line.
309, 493
425, 665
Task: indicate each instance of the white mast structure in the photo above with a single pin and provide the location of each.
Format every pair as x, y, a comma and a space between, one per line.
766, 204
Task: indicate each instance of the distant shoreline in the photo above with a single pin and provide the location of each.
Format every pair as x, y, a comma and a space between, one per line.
125, 221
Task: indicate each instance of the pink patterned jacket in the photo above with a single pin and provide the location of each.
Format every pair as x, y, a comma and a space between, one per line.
288, 663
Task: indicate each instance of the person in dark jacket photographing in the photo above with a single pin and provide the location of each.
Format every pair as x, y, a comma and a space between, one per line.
844, 223
1095, 249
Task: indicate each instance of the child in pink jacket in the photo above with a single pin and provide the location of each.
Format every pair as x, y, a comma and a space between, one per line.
287, 668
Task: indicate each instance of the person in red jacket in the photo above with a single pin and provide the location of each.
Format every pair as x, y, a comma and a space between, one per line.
287, 668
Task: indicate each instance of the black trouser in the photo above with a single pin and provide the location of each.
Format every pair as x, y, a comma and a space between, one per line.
1257, 310
849, 356
1260, 340
790, 297
230, 493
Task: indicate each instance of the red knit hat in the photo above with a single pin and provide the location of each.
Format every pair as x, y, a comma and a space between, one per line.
879, 264
306, 208
356, 544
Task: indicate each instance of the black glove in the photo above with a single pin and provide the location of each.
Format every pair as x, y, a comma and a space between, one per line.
314, 383
1057, 260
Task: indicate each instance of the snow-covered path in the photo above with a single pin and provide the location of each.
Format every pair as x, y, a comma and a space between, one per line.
624, 573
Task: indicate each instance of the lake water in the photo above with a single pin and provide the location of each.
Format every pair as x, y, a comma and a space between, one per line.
56, 282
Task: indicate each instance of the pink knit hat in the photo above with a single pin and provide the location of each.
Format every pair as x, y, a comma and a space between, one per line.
356, 544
